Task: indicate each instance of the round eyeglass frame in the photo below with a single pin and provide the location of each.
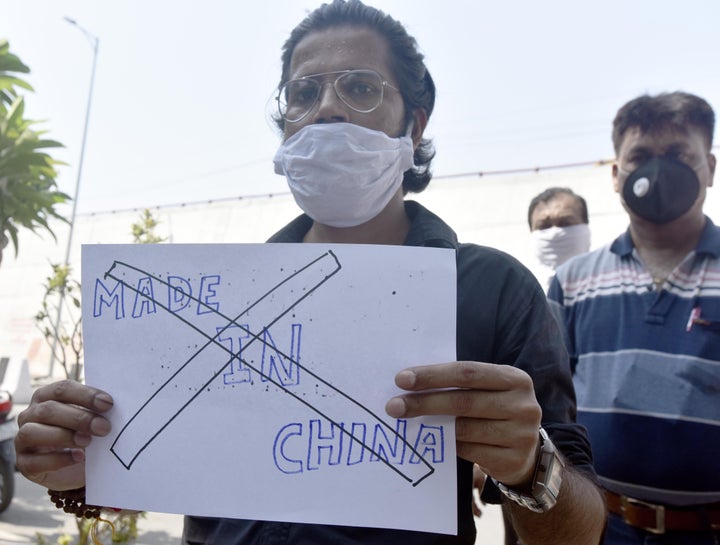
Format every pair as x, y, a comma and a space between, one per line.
340, 73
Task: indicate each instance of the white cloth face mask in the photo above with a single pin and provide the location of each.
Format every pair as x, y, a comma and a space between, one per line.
342, 174
555, 245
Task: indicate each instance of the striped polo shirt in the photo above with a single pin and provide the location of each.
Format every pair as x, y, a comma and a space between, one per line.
647, 368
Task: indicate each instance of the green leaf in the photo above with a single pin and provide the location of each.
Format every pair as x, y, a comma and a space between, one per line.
17, 108
9, 82
8, 61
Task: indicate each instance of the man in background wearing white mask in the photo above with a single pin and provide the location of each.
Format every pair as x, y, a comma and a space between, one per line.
558, 220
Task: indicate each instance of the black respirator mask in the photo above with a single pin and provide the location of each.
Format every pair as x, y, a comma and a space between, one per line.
661, 190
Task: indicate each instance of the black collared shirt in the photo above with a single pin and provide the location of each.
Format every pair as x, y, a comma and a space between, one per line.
502, 317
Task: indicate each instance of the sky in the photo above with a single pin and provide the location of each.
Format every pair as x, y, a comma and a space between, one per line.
183, 89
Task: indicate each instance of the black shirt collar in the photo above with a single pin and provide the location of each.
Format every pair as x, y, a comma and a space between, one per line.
426, 229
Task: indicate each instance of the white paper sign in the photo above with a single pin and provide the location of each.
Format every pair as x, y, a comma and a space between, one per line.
250, 381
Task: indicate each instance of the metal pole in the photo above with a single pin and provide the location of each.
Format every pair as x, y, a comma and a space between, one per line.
95, 42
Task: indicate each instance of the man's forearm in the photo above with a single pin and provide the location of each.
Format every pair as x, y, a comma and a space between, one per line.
578, 518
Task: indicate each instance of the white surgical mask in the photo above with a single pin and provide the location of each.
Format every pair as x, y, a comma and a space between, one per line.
555, 245
342, 174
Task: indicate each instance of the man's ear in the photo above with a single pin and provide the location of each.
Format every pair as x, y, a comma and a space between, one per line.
711, 164
420, 120
616, 182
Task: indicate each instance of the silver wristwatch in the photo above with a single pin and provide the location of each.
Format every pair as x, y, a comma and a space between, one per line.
546, 480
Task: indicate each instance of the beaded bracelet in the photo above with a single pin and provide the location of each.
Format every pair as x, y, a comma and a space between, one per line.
73, 501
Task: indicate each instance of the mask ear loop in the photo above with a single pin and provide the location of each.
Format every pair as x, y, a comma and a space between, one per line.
409, 130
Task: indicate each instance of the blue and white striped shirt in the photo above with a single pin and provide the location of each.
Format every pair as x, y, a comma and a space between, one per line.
647, 368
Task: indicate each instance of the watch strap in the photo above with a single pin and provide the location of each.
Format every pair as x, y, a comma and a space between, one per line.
546, 480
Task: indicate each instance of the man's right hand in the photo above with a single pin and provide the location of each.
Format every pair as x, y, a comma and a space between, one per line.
54, 430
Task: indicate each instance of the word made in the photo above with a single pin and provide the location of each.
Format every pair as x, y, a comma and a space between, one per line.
174, 294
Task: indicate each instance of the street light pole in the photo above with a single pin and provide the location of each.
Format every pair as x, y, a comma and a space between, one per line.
94, 42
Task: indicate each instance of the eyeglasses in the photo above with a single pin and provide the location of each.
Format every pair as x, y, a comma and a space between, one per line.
360, 90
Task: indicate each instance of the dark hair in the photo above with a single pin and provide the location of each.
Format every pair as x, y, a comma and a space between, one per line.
549, 194
675, 110
416, 84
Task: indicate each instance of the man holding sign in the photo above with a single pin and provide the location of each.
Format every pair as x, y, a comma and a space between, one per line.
353, 102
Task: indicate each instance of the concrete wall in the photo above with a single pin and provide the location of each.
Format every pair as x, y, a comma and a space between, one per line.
489, 210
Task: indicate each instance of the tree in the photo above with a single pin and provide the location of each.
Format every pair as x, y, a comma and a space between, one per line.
64, 338
28, 190
143, 231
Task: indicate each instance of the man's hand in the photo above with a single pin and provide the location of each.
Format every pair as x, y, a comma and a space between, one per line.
54, 430
497, 427
497, 414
